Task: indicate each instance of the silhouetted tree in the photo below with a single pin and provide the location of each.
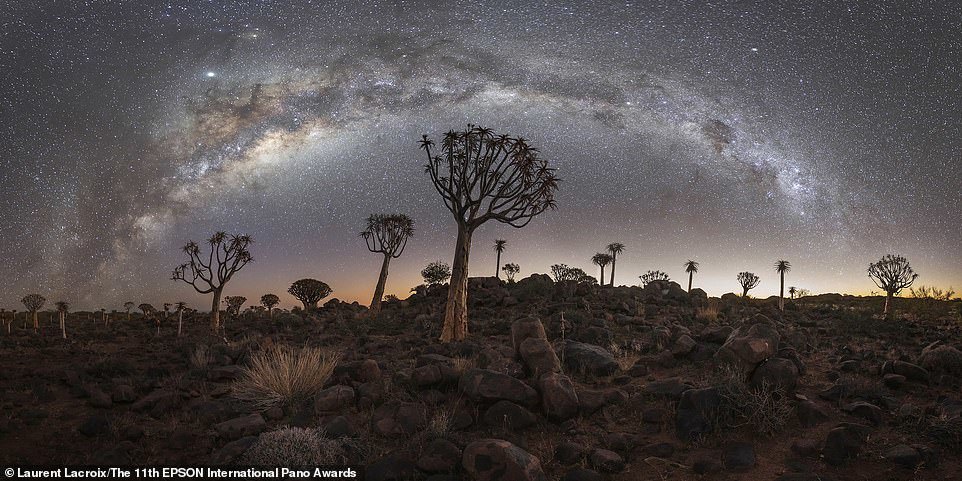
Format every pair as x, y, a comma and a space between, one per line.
181, 305
309, 292
480, 177
62, 308
652, 276
127, 307
234, 304
436, 273
561, 273
228, 255
601, 260
691, 267
791, 292
748, 282
166, 310
614, 249
510, 270
269, 301
387, 235
892, 273
33, 303
148, 310
781, 267
499, 246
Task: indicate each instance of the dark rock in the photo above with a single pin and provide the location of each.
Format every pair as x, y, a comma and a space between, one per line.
590, 401
99, 399
426, 375
229, 373
864, 410
893, 381
716, 335
747, 347
568, 453
123, 394
95, 426
539, 357
607, 461
597, 335
659, 450
210, 412
776, 373
808, 448
683, 346
482, 385
671, 388
357, 371
590, 359
706, 466
852, 365
274, 413
904, 455
526, 328
655, 416
392, 467
692, 418
243, 426
810, 414
508, 415
131, 432
158, 403
233, 450
844, 442
499, 460
334, 398
911, 371
558, 397
396, 418
739, 456
441, 456
338, 427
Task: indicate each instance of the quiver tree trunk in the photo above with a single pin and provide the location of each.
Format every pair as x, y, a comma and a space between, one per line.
888, 305
455, 310
215, 311
379, 289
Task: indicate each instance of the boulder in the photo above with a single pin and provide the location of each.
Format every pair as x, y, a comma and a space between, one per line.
243, 426
526, 328
499, 460
334, 398
746, 347
606, 461
904, 455
482, 385
911, 371
694, 411
776, 373
441, 456
683, 346
568, 453
357, 371
864, 410
810, 414
942, 359
558, 396
590, 359
233, 450
508, 415
396, 418
539, 357
844, 442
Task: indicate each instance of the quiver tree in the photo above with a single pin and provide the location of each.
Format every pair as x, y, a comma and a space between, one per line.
561, 273
62, 308
309, 292
33, 303
233, 305
208, 274
436, 273
892, 273
748, 282
480, 177
128, 306
791, 292
781, 267
150, 313
691, 267
511, 270
269, 301
614, 249
386, 234
652, 276
499, 245
601, 260
180, 306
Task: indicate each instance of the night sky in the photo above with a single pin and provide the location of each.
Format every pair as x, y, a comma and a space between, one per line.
826, 133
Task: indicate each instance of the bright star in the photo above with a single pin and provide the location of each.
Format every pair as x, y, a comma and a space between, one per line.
211, 74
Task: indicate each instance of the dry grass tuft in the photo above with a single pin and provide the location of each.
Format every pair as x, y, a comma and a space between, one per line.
292, 446
201, 357
462, 364
283, 375
707, 314
626, 358
440, 424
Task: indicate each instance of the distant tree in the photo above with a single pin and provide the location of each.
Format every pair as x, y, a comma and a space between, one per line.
748, 282
499, 246
3, 318
601, 260
33, 303
561, 273
511, 270
892, 273
103, 315
791, 292
781, 267
180, 306
614, 249
127, 307
269, 301
480, 177
62, 308
800, 293
166, 310
309, 292
436, 273
209, 274
691, 267
148, 310
386, 234
652, 276
233, 306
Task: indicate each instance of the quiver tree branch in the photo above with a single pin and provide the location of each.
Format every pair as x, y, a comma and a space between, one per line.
208, 273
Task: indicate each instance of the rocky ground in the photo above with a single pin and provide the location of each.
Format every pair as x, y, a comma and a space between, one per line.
556, 381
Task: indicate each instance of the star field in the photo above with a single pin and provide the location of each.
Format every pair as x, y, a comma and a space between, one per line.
733, 133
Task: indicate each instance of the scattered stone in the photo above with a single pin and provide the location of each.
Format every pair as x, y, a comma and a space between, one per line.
233, 450
607, 461
810, 414
745, 348
942, 359
539, 357
864, 410
911, 371
243, 426
358, 371
808, 448
582, 474
893, 381
526, 328
683, 346
568, 453
334, 398
499, 460
693, 411
904, 455
706, 466
776, 373
671, 388
441, 456
508, 415
228, 373
482, 385
844, 442
590, 359
558, 397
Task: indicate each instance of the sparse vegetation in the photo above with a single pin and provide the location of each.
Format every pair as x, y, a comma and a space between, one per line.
293, 446
652, 276
283, 375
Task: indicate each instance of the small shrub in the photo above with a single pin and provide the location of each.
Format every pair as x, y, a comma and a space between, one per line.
292, 446
282, 375
201, 357
765, 408
942, 359
440, 424
708, 313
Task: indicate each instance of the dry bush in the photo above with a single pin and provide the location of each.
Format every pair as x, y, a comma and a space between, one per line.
708, 313
942, 359
765, 408
626, 358
201, 357
292, 446
440, 424
463, 364
283, 375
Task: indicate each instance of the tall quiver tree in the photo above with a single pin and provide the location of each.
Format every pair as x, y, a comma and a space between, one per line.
269, 301
228, 255
181, 305
748, 281
386, 234
781, 267
128, 306
614, 249
892, 273
33, 303
691, 267
601, 259
499, 245
480, 177
62, 308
